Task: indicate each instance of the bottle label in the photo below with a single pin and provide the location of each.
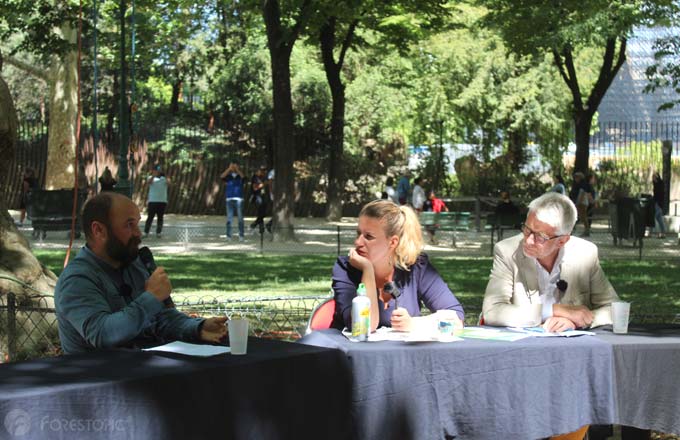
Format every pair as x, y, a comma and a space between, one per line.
361, 326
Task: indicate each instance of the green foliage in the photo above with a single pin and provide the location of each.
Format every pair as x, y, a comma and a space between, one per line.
664, 74
630, 171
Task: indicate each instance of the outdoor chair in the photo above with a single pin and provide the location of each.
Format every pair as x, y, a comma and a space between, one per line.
322, 316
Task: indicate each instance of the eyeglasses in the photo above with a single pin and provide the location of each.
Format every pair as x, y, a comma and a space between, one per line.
538, 237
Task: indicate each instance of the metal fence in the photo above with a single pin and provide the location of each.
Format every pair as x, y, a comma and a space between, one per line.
456, 241
28, 327
623, 154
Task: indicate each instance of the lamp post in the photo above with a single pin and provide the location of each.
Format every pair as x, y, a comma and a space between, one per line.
123, 124
441, 155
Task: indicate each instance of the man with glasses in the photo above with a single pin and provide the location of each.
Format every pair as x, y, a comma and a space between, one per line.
546, 265
105, 298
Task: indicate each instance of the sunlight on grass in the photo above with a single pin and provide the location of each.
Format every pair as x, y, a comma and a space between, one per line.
652, 285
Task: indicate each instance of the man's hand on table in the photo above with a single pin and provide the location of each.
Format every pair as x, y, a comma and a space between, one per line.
214, 329
558, 324
581, 316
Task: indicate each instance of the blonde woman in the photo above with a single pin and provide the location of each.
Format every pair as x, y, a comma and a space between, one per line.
388, 249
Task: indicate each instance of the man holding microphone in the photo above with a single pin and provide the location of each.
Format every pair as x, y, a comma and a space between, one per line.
106, 298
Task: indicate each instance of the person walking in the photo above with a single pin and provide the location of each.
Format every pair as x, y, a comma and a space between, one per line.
233, 179
27, 186
403, 188
659, 199
418, 194
106, 181
158, 200
559, 186
257, 184
390, 191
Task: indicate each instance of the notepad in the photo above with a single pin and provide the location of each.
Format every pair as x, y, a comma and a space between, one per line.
191, 349
542, 333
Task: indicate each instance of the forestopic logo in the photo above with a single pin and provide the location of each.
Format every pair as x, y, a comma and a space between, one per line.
17, 422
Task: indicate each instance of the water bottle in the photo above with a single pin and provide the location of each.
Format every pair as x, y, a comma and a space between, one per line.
361, 315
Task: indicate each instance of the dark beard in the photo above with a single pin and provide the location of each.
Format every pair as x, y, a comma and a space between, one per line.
121, 252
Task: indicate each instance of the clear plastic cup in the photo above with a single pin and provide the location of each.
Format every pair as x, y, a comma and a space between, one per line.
620, 316
238, 335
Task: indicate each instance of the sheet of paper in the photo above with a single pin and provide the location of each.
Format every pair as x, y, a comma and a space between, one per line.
191, 349
491, 334
541, 333
388, 334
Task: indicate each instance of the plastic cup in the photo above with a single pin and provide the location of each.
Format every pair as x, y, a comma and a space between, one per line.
238, 335
448, 323
620, 316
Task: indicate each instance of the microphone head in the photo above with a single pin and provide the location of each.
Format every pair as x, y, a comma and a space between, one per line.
562, 285
391, 288
146, 257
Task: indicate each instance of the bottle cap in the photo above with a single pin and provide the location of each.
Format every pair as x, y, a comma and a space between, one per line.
361, 290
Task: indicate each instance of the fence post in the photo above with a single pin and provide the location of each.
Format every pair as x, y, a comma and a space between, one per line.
640, 254
666, 151
338, 235
261, 241
478, 214
11, 326
186, 237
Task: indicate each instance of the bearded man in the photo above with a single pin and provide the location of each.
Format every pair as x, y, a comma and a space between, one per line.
105, 298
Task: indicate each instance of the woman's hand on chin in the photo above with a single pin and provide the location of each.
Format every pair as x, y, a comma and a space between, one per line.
359, 262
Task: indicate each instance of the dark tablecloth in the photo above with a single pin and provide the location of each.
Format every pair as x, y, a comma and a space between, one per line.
647, 375
278, 390
475, 389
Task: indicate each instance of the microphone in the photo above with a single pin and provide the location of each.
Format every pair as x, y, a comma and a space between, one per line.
562, 288
146, 257
391, 288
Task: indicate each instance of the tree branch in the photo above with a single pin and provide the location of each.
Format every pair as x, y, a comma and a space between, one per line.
608, 72
568, 73
28, 68
301, 20
347, 42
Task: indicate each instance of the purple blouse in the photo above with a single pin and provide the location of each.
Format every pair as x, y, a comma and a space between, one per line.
421, 285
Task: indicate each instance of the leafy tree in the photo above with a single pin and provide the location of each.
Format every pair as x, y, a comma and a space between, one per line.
561, 29
398, 23
283, 29
47, 29
665, 72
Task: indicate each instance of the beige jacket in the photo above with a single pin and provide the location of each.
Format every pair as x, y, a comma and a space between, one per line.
514, 279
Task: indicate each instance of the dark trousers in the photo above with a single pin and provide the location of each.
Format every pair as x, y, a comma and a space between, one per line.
152, 209
261, 212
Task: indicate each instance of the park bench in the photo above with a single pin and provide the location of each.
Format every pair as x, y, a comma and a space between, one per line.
446, 221
498, 224
51, 210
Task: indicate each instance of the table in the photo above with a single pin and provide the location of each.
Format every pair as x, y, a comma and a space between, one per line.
476, 389
647, 378
278, 390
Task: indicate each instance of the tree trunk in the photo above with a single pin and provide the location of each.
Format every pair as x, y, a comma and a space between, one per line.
16, 260
176, 96
582, 122
335, 161
61, 143
280, 42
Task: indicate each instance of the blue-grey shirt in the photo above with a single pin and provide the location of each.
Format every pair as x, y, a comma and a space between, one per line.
93, 313
420, 284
